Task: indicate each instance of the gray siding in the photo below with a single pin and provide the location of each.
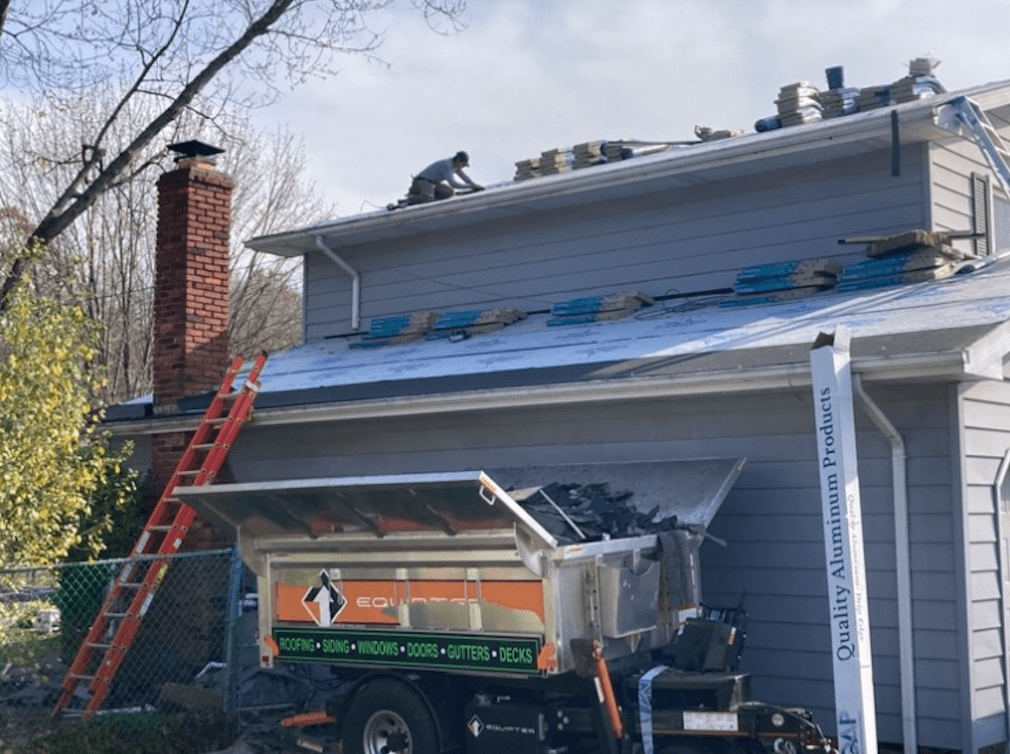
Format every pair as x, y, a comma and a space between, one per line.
950, 170
771, 519
985, 416
685, 241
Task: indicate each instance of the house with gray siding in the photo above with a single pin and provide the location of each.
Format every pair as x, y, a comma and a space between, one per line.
697, 370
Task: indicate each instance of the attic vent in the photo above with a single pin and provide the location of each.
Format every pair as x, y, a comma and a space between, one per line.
584, 311
783, 281
391, 331
462, 325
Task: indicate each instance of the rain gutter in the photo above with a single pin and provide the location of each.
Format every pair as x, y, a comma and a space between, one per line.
355, 281
943, 366
899, 484
917, 123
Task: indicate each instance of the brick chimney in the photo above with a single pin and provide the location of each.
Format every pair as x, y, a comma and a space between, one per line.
192, 293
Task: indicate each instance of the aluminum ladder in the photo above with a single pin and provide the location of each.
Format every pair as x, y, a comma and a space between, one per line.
100, 657
967, 113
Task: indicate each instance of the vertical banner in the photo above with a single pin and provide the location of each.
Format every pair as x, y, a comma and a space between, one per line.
855, 710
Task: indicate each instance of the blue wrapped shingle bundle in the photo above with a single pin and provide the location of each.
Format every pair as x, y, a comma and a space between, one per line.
783, 281
591, 309
464, 324
391, 331
911, 257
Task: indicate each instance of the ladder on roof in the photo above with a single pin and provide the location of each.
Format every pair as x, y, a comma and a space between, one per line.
991, 144
100, 657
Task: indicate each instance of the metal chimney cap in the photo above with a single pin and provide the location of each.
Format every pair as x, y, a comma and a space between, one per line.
189, 149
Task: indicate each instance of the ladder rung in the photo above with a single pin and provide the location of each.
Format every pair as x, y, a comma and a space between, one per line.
81, 677
160, 527
205, 446
100, 646
116, 615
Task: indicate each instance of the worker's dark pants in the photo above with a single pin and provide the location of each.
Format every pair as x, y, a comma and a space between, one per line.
422, 191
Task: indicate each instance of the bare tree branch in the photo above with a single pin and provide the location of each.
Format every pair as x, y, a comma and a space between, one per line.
176, 49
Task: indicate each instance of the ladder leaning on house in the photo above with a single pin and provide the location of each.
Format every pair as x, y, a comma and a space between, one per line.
986, 137
99, 659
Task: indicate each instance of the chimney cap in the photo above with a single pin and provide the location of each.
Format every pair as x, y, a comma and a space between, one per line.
193, 148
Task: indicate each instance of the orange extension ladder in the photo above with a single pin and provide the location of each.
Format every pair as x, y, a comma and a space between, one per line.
163, 535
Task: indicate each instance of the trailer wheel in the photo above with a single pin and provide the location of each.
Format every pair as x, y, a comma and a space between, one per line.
388, 717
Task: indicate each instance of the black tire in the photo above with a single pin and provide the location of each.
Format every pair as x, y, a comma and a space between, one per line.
386, 716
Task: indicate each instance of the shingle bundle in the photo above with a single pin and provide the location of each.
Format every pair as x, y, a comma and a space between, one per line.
911, 257
463, 324
589, 153
526, 169
783, 281
555, 161
590, 309
798, 103
391, 331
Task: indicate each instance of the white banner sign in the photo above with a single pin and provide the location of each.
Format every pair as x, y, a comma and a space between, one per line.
843, 544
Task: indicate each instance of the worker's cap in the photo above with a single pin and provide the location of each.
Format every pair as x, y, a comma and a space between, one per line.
462, 157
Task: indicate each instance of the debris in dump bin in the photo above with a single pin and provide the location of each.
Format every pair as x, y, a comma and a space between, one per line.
591, 512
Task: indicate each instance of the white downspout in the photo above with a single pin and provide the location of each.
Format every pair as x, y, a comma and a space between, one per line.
899, 482
355, 282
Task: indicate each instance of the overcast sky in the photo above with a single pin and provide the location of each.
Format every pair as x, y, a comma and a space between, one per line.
532, 75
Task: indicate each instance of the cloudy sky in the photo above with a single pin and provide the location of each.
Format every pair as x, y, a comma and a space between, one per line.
532, 75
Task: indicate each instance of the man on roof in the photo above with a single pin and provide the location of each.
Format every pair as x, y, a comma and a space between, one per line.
439, 180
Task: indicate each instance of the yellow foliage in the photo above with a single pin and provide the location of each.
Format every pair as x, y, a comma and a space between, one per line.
52, 463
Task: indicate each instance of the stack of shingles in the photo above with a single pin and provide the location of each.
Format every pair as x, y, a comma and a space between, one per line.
783, 281
911, 257
555, 161
798, 103
589, 153
584, 311
919, 82
839, 99
874, 97
526, 169
463, 324
391, 331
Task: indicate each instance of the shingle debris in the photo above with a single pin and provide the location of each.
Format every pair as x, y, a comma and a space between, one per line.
591, 512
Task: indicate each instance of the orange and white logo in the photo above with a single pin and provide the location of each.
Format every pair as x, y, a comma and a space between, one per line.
325, 602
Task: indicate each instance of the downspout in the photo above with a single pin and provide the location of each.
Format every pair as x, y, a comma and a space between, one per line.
998, 505
902, 565
355, 281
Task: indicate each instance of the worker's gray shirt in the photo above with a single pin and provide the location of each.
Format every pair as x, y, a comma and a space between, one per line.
441, 171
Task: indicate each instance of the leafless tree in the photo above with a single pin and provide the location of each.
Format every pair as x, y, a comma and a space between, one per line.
107, 257
180, 54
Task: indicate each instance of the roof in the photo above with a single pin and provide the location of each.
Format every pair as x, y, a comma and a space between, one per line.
952, 329
682, 167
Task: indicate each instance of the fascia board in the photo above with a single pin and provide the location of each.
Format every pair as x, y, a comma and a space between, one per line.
871, 129
949, 366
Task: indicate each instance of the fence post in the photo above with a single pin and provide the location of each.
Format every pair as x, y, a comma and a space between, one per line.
232, 634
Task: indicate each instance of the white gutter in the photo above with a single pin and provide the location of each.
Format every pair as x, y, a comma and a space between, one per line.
917, 124
946, 366
899, 482
355, 282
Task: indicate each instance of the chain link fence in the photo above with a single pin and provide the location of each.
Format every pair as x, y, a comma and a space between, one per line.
186, 654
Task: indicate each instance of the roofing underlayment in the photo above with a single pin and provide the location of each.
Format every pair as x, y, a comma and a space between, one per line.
947, 329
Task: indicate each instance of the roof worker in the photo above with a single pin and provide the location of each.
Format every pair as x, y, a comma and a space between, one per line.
439, 180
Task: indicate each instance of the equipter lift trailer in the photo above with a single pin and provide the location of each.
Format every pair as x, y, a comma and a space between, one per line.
460, 623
